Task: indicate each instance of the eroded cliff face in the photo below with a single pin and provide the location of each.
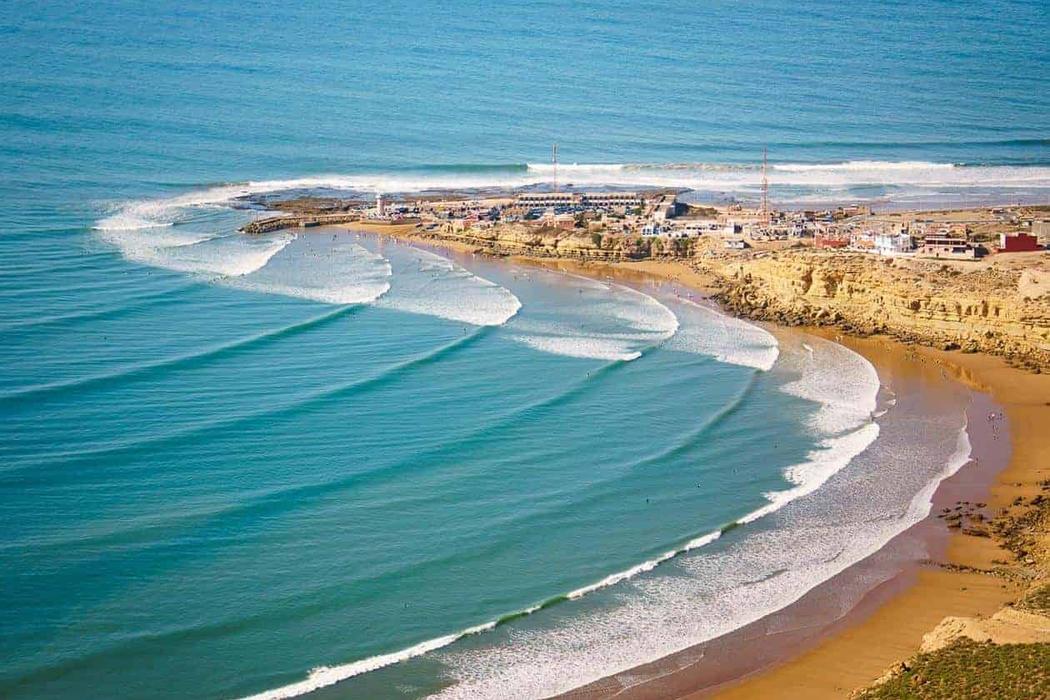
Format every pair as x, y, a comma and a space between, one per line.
980, 308
1000, 305
516, 239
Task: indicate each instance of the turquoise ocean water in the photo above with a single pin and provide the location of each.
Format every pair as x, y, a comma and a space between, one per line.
359, 468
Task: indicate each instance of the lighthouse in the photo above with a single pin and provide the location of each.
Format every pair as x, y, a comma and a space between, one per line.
380, 209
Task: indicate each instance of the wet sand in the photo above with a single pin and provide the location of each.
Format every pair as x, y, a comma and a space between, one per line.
861, 652
827, 644
834, 646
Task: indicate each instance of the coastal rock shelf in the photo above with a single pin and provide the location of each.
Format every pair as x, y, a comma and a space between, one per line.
976, 310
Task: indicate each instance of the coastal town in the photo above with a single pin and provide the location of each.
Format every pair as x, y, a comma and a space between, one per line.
629, 224
975, 280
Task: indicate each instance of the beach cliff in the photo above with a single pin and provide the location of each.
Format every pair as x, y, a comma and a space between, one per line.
999, 306
987, 307
988, 323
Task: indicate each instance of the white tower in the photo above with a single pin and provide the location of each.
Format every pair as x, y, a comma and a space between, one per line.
380, 208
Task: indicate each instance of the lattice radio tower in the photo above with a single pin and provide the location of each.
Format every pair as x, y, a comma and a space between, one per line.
554, 162
765, 189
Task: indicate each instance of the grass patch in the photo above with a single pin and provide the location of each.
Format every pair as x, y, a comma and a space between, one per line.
1037, 600
968, 670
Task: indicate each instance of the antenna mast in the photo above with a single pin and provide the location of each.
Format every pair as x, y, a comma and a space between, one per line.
554, 161
765, 189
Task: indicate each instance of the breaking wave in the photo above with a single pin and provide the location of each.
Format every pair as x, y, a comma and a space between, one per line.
603, 321
726, 338
429, 284
506, 672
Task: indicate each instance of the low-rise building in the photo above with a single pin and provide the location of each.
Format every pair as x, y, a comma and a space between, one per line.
1017, 243
951, 247
893, 243
827, 242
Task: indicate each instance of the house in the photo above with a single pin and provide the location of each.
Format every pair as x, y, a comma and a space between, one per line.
893, 243
825, 242
736, 244
1017, 243
946, 246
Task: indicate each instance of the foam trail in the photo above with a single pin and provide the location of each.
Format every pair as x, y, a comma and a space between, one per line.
721, 592
602, 321
613, 579
832, 456
316, 268
429, 284
195, 252
324, 676
843, 383
846, 387
727, 339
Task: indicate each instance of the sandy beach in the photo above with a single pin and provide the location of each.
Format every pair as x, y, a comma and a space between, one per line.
862, 652
826, 645
851, 651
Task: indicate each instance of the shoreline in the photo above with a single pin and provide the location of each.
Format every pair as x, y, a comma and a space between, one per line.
892, 631
832, 656
830, 610
888, 623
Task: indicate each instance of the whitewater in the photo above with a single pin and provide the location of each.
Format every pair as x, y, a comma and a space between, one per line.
601, 321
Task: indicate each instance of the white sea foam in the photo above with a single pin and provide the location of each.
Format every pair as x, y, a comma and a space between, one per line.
589, 347
832, 455
426, 283
846, 387
711, 595
613, 579
601, 321
324, 676
313, 267
196, 252
708, 332
843, 383
864, 166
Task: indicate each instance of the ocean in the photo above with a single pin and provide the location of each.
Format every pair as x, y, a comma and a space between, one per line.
339, 464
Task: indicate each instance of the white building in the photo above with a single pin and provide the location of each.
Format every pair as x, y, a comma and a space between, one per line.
893, 243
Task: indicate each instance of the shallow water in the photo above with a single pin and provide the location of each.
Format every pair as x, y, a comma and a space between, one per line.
226, 461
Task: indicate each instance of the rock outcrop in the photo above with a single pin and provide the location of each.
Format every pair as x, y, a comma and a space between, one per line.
976, 309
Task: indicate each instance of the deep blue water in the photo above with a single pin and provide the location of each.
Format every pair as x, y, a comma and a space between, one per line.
225, 462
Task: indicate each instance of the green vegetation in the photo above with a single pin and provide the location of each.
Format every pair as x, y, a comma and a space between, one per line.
1037, 600
596, 238
968, 670
683, 247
